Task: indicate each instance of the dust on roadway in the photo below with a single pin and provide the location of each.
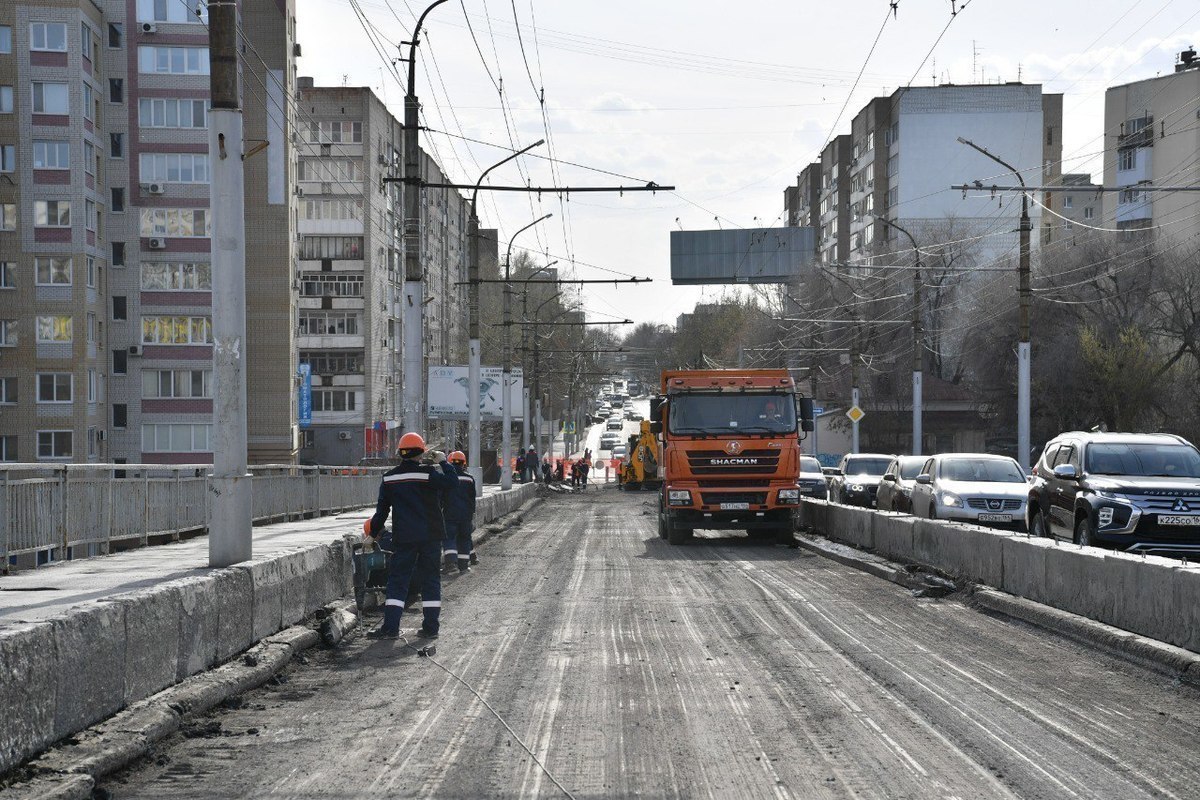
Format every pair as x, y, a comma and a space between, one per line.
725, 668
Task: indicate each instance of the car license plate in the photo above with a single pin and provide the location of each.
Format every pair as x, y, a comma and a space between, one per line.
995, 517
735, 506
1166, 520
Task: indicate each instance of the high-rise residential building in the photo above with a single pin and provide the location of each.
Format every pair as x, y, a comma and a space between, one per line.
1151, 138
352, 271
902, 155
107, 323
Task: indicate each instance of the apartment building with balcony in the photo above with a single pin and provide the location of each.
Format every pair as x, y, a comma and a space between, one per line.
109, 256
1081, 205
352, 272
833, 212
1151, 137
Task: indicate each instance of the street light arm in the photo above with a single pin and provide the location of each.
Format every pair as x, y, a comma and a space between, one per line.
505, 160
508, 253
995, 158
412, 47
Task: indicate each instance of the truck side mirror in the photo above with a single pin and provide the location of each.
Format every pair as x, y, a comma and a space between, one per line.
656, 428
656, 409
804, 405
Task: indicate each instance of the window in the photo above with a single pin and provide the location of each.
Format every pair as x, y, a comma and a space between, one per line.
173, 60
8, 275
8, 157
51, 98
333, 400
116, 35
173, 168
172, 113
116, 145
55, 329
1088, 212
91, 271
176, 330
55, 444
120, 361
176, 383
181, 222
1129, 196
6, 99
117, 202
8, 216
5, 39
85, 41
120, 415
92, 386
331, 284
89, 158
333, 209
870, 141
315, 247
329, 170
51, 155
119, 307
90, 324
8, 391
116, 90
174, 438
161, 276
88, 99
335, 131
1126, 159
90, 218
333, 362
8, 333
117, 258
54, 387
1068, 201
171, 11
8, 448
52, 213
329, 323
52, 271
50, 36
1049, 135
92, 443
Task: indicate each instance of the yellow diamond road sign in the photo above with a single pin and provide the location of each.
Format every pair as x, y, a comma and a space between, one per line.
855, 413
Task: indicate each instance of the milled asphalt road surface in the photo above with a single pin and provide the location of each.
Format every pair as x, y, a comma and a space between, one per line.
719, 669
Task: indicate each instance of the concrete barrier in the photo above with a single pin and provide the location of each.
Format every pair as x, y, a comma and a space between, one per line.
63, 675
1154, 597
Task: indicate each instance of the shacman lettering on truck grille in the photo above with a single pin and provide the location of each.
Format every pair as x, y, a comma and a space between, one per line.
732, 462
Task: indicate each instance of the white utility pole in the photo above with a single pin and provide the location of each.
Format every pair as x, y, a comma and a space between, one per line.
229, 523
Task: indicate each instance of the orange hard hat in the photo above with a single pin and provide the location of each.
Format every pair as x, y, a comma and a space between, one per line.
457, 457
367, 526
411, 441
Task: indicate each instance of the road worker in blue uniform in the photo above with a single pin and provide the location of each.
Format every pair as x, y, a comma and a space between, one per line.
409, 492
460, 513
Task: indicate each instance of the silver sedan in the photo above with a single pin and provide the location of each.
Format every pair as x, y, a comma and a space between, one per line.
972, 487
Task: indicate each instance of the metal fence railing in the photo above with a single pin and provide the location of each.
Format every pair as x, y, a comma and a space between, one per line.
50, 512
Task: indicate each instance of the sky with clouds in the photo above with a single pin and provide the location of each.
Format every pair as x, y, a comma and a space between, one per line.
725, 101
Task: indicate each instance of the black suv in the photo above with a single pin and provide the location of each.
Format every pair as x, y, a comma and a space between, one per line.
1135, 491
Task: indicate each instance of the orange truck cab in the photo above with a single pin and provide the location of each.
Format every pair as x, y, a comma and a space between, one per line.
730, 451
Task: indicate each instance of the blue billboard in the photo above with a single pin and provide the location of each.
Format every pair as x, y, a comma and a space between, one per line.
305, 395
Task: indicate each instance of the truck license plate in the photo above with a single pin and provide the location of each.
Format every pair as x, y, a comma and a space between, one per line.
735, 506
1165, 520
995, 517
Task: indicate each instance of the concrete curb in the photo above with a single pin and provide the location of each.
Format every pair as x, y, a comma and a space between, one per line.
1164, 658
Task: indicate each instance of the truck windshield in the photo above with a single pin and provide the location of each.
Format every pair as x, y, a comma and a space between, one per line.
725, 414
1152, 460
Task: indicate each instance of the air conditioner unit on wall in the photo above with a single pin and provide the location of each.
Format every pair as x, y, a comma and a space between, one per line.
344, 435
155, 188
135, 349
157, 244
149, 27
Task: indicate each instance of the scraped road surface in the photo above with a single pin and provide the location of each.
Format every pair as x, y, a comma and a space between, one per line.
720, 669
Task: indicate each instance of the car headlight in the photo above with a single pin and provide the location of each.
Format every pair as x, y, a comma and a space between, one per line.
1112, 496
951, 499
906, 491
856, 487
789, 495
679, 497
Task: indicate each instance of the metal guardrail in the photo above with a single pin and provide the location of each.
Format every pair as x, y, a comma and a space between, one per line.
58, 511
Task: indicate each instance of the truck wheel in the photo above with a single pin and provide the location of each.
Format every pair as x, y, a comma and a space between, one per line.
677, 534
662, 525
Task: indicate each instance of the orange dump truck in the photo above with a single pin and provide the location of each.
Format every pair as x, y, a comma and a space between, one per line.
730, 451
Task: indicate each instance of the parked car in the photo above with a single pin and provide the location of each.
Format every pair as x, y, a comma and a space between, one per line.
895, 490
856, 480
812, 479
973, 487
1134, 491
